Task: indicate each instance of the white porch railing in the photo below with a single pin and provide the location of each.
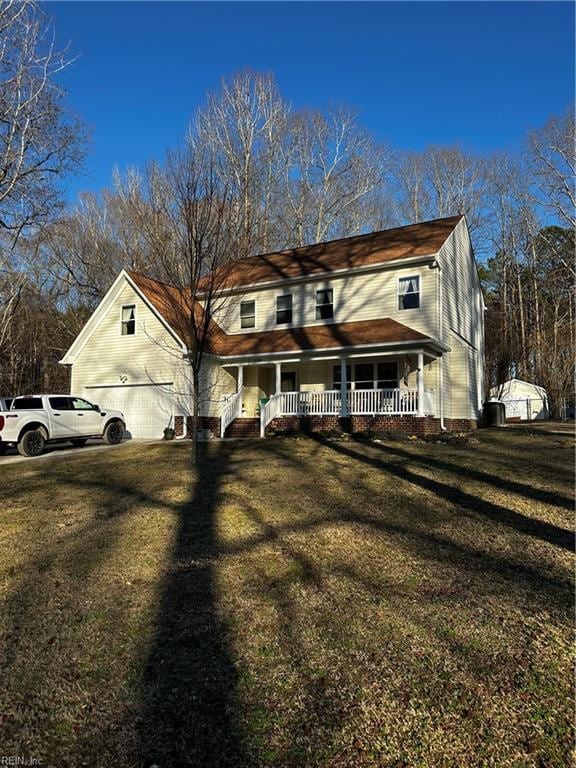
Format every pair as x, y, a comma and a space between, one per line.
323, 403
231, 409
370, 402
387, 401
271, 410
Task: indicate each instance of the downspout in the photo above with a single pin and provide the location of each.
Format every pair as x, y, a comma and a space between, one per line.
440, 336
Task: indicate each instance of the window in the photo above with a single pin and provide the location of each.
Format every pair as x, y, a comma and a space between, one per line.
284, 309
247, 314
368, 376
82, 405
60, 403
129, 320
408, 293
324, 304
27, 404
338, 379
387, 375
364, 376
288, 381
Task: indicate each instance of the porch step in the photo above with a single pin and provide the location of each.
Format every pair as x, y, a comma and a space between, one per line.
243, 428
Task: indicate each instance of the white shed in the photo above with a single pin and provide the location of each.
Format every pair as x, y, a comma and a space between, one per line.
524, 401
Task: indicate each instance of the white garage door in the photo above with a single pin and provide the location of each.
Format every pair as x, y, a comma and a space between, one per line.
148, 408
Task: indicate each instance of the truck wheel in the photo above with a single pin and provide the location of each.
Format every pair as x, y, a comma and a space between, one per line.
114, 433
78, 442
31, 443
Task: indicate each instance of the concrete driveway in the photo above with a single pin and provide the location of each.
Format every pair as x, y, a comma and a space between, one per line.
58, 450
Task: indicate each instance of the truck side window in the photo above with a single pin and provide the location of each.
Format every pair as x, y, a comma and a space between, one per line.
27, 404
59, 403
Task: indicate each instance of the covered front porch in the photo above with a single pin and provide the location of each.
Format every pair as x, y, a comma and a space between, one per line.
324, 390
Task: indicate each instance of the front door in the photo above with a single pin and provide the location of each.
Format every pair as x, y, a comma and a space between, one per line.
288, 381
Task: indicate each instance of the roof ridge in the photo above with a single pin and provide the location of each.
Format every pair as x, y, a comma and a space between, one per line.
352, 237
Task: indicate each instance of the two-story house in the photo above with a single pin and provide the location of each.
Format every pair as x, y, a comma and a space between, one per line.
382, 331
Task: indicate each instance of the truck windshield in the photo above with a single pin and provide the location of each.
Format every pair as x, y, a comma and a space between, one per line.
27, 404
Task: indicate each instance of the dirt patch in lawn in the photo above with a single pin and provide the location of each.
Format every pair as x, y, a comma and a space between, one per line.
296, 602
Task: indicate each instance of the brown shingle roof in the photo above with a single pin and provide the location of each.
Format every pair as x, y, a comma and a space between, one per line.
329, 336
421, 239
173, 306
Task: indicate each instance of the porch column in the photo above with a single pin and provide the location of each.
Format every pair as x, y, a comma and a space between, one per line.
343, 389
420, 383
240, 382
278, 377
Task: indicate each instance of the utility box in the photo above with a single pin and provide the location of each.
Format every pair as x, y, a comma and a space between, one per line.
494, 413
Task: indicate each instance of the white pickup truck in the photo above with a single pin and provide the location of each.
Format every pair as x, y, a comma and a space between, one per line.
34, 420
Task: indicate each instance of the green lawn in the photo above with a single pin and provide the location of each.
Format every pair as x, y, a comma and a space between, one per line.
294, 602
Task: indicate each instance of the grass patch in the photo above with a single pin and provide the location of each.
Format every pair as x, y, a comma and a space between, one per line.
296, 603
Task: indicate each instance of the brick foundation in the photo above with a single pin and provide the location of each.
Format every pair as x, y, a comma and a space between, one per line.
412, 425
243, 428
204, 422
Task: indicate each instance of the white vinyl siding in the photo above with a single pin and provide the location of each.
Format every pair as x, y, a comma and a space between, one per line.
366, 296
151, 357
462, 324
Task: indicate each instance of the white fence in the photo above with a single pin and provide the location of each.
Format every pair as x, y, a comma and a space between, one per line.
391, 402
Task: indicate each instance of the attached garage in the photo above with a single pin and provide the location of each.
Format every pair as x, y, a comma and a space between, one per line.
148, 408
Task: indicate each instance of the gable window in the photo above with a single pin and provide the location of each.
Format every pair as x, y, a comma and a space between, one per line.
324, 304
409, 292
284, 309
129, 320
247, 314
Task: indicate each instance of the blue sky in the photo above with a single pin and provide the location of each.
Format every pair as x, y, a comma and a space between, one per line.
419, 73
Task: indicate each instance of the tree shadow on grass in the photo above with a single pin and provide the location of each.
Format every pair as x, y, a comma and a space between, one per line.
187, 714
414, 534
542, 530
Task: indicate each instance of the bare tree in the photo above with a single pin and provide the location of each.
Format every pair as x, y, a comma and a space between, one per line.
332, 168
552, 154
39, 141
243, 126
85, 250
192, 232
441, 181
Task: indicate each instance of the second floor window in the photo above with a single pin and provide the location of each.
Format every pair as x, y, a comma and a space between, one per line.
409, 293
284, 309
129, 320
324, 304
247, 314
